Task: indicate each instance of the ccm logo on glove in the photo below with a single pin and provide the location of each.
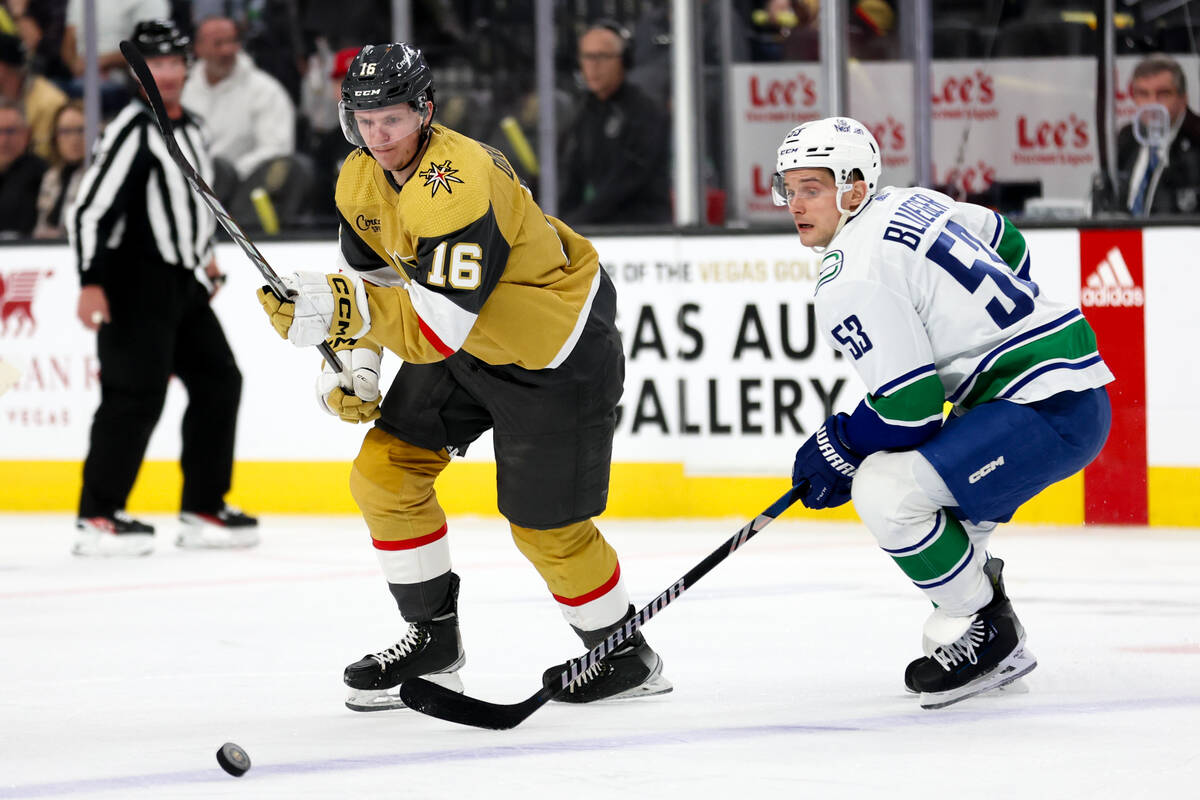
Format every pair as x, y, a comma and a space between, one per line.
346, 319
318, 306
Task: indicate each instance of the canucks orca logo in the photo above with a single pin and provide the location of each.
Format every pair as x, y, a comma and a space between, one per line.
439, 176
831, 267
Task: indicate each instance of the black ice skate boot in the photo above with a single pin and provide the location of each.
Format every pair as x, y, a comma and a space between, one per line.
432, 650
632, 670
116, 534
989, 655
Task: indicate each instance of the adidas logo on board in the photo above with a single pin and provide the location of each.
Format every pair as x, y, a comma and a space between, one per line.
1110, 284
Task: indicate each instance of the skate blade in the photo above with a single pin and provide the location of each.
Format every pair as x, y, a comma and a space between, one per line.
196, 540
1019, 686
1018, 664
389, 699
124, 546
657, 684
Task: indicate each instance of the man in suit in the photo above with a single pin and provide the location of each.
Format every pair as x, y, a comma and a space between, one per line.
1158, 172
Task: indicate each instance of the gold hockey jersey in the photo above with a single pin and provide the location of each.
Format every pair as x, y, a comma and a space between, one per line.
461, 257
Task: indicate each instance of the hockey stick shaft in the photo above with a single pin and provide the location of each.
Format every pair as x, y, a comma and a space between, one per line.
138, 64
437, 701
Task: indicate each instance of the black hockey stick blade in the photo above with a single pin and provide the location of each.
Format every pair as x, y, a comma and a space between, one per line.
137, 63
437, 701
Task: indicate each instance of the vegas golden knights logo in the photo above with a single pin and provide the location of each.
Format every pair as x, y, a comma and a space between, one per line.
16, 301
439, 176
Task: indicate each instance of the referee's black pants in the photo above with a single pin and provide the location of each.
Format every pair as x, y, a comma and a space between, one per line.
162, 325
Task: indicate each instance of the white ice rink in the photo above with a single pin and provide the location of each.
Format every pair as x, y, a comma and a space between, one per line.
121, 678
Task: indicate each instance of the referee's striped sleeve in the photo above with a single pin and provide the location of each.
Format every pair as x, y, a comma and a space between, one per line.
204, 222
100, 203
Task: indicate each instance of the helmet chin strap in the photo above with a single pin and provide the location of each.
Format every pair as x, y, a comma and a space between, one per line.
841, 221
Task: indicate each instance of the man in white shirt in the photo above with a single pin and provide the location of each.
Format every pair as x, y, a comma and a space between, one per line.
115, 20
248, 113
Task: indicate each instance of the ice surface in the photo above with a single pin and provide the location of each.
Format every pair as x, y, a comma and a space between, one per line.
122, 677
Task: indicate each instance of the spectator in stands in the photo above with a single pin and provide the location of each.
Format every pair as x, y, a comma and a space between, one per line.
39, 99
249, 116
789, 30
61, 182
1159, 177
784, 30
613, 156
40, 26
20, 174
115, 20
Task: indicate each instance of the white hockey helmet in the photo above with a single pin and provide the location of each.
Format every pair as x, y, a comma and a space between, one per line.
839, 144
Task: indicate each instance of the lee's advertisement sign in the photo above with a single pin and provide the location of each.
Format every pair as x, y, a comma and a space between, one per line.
1003, 120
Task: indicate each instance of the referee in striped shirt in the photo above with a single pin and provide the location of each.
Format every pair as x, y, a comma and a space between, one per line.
144, 246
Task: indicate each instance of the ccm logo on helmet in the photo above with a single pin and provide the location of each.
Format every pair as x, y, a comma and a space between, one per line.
366, 92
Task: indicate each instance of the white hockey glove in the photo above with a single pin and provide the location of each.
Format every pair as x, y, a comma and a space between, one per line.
357, 403
332, 306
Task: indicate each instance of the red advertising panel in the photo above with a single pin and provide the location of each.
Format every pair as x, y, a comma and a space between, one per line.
1113, 299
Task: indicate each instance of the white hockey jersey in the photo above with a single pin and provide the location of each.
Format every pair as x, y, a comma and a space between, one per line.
915, 292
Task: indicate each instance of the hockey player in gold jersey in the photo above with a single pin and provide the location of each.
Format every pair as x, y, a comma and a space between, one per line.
504, 320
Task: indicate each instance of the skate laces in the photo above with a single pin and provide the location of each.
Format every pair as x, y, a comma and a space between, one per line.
964, 649
401, 649
588, 674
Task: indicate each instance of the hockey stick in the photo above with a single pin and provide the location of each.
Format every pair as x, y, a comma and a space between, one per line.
138, 64
437, 701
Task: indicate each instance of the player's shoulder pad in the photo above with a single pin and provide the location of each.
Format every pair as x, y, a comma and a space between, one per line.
452, 186
356, 185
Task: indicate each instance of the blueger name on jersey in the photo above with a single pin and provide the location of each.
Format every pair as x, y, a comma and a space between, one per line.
911, 219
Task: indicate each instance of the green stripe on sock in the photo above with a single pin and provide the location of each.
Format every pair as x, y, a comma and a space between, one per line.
940, 556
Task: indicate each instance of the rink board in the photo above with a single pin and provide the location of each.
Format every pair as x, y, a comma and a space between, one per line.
725, 376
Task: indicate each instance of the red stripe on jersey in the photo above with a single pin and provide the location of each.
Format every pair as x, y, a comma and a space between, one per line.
599, 591
433, 339
409, 544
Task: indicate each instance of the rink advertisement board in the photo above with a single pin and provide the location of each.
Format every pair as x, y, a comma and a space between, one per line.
1010, 120
1113, 298
726, 375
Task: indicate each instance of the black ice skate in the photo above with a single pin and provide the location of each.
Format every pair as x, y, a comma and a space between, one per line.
117, 534
432, 650
632, 670
224, 529
989, 655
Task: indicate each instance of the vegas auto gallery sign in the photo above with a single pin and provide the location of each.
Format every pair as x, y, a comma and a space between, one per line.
1000, 120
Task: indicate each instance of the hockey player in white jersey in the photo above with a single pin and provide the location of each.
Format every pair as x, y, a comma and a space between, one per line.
932, 302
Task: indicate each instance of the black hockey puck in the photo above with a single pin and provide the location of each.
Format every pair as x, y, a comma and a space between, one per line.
233, 759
